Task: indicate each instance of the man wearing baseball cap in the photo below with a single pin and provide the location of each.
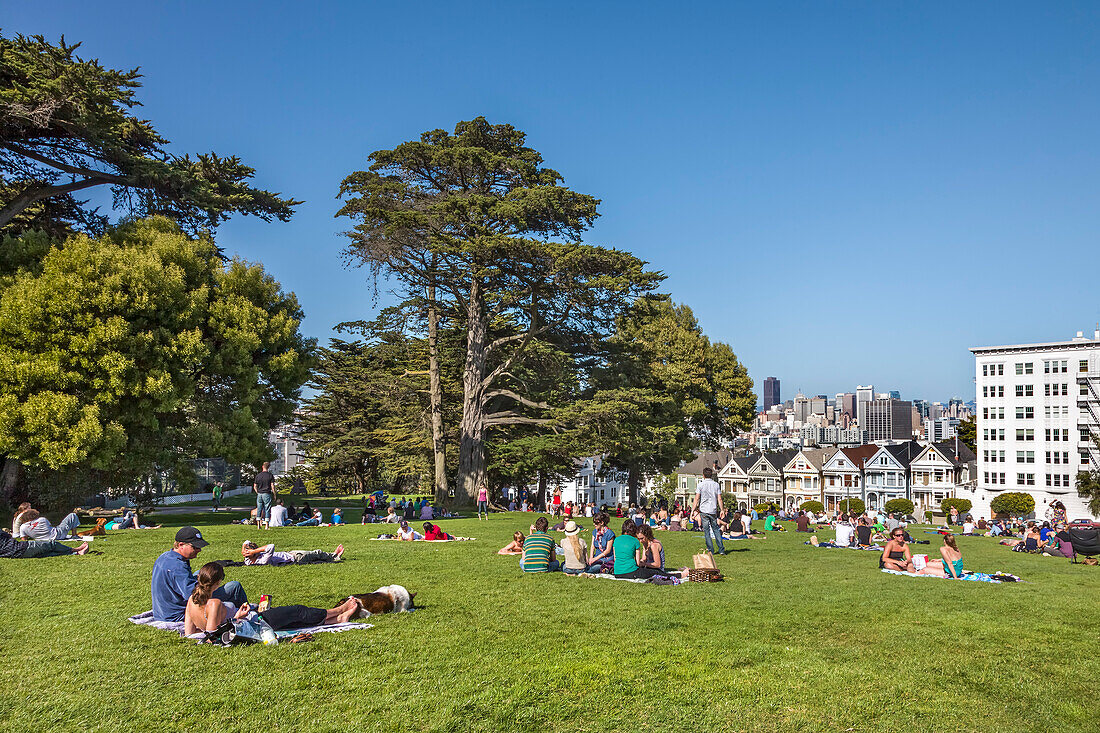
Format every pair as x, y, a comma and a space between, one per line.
173, 580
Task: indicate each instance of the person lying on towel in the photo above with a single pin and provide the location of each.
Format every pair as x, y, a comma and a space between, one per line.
433, 532
266, 555
206, 613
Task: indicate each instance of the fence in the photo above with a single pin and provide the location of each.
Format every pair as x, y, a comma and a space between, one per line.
125, 501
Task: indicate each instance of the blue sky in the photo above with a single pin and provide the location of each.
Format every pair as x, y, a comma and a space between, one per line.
847, 193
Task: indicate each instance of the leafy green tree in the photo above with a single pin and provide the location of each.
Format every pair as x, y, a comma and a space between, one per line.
1013, 503
686, 390
68, 126
968, 432
1088, 487
900, 506
127, 355
476, 218
812, 506
765, 507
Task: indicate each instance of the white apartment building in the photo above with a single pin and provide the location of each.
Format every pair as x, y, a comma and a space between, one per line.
1038, 408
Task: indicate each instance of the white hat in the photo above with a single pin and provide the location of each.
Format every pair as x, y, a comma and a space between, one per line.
571, 527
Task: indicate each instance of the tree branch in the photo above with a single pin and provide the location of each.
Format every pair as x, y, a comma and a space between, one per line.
510, 418
72, 170
518, 398
38, 193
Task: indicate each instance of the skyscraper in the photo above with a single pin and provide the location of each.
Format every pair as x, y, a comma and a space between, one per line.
771, 393
863, 396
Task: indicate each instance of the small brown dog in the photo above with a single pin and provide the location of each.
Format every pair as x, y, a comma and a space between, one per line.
387, 599
99, 530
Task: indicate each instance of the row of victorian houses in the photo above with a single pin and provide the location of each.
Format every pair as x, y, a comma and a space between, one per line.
924, 473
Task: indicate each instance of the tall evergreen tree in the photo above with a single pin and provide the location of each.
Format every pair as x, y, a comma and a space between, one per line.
476, 216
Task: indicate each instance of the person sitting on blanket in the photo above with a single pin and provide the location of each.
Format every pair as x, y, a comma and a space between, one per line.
14, 549
515, 547
539, 550
653, 552
173, 580
266, 555
951, 562
896, 554
600, 550
206, 612
405, 533
771, 523
628, 557
278, 515
574, 551
433, 532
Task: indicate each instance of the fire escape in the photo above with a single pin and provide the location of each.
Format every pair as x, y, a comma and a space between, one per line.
1088, 420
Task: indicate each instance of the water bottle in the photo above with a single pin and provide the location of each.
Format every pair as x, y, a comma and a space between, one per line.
267, 636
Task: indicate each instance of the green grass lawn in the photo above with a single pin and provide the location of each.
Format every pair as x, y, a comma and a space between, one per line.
795, 639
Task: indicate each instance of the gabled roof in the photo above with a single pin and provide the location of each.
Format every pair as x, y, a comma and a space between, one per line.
904, 453
706, 458
741, 464
816, 457
962, 455
779, 459
859, 454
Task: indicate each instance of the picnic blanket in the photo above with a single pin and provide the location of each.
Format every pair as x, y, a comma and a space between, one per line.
609, 576
967, 575
398, 539
834, 546
146, 619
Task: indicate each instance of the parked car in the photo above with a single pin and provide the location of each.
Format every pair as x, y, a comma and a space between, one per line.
1085, 523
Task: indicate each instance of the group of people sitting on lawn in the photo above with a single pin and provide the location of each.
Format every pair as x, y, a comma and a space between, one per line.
1043, 540
203, 602
634, 554
896, 555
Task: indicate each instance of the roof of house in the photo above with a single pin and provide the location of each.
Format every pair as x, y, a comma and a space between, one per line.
960, 455
779, 459
816, 457
904, 453
859, 454
704, 459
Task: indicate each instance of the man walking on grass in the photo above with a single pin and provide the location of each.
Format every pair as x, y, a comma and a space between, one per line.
708, 502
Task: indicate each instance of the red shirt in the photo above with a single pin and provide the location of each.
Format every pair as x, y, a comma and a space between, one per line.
568, 510
435, 533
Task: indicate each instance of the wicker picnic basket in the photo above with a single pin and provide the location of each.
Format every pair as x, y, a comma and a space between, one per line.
704, 575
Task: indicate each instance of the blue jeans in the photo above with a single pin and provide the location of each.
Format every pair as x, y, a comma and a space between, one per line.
311, 522
710, 527
231, 592
263, 506
46, 548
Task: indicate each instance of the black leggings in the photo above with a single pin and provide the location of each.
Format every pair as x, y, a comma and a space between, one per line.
644, 574
292, 617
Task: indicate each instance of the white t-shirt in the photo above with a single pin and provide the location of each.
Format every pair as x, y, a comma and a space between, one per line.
844, 534
708, 491
278, 516
588, 511
39, 529
968, 528
746, 522
409, 534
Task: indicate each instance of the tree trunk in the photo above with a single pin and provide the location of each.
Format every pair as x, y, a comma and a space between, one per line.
9, 479
471, 457
633, 485
439, 448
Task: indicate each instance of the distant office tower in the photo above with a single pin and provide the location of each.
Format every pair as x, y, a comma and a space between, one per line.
771, 393
817, 405
894, 394
801, 408
941, 428
889, 420
863, 396
845, 404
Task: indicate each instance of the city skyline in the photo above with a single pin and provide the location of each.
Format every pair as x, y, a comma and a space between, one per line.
843, 196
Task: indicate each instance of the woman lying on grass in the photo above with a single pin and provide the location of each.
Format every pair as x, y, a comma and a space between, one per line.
515, 547
205, 613
896, 554
266, 555
951, 561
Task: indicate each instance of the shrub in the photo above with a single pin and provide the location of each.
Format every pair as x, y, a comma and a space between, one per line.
812, 506
729, 501
1013, 503
963, 505
901, 506
766, 507
853, 506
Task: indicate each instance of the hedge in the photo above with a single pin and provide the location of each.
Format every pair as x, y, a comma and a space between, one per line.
852, 506
766, 507
900, 506
812, 506
963, 505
